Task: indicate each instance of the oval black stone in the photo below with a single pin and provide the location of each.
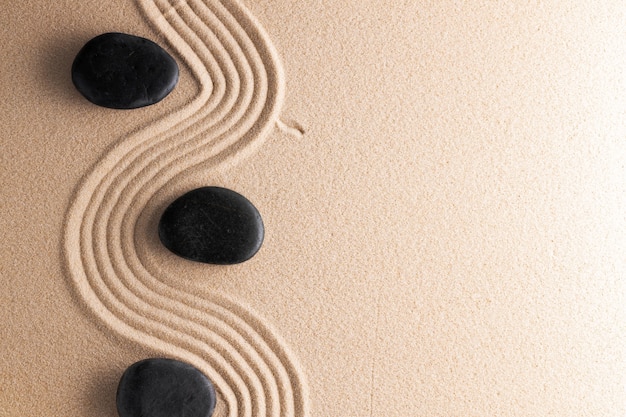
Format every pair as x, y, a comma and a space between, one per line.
212, 225
123, 71
164, 388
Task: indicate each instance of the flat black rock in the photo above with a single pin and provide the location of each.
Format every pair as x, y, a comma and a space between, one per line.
212, 225
164, 388
123, 71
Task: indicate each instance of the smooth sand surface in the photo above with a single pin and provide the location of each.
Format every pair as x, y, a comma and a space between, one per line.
443, 187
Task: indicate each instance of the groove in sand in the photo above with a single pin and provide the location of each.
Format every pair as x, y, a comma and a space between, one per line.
241, 91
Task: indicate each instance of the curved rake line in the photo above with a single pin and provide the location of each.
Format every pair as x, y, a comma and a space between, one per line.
73, 256
236, 308
279, 76
76, 208
103, 256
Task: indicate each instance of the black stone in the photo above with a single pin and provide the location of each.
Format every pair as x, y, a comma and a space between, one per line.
164, 388
123, 71
212, 225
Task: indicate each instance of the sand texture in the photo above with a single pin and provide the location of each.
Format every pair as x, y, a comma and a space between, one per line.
443, 187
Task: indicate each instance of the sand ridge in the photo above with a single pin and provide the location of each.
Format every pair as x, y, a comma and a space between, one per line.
237, 106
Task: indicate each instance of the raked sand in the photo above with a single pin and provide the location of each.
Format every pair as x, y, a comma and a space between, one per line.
443, 186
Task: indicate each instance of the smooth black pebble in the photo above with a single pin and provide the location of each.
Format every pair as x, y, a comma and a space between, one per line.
123, 71
212, 225
164, 388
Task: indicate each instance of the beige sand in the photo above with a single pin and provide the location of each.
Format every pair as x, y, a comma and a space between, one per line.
446, 237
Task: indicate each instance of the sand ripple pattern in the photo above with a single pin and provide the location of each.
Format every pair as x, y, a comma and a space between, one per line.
237, 105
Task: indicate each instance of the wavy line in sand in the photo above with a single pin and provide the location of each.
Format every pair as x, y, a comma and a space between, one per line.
240, 96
